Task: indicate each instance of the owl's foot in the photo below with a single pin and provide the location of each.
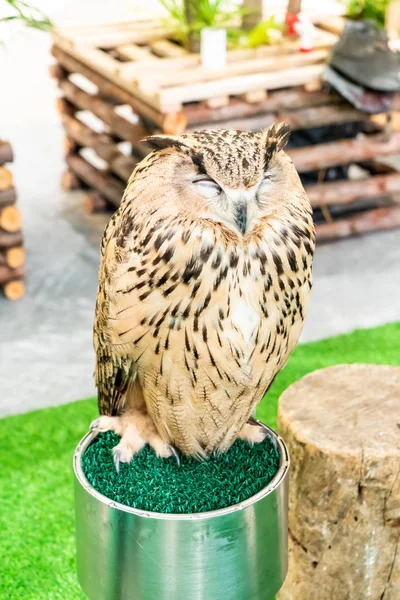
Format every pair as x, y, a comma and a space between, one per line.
136, 429
253, 434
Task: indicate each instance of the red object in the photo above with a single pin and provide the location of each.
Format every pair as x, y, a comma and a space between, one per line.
291, 20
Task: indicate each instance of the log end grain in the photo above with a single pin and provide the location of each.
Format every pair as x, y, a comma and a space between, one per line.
6, 178
14, 290
15, 257
342, 429
10, 219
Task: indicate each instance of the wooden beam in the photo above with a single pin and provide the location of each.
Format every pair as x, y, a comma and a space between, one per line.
372, 220
276, 101
110, 187
300, 119
237, 85
132, 132
343, 192
341, 152
107, 88
102, 144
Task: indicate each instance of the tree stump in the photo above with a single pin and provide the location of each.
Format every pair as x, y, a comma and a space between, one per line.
342, 428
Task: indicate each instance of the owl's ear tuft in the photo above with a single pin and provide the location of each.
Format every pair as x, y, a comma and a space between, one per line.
159, 142
274, 139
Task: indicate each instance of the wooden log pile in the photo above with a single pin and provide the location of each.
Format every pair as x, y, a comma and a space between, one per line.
12, 254
119, 83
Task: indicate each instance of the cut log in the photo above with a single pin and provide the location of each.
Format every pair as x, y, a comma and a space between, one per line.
9, 240
8, 196
94, 202
341, 425
8, 274
6, 178
69, 181
108, 88
323, 156
102, 144
10, 219
110, 187
14, 290
343, 192
132, 132
13, 257
372, 220
6, 153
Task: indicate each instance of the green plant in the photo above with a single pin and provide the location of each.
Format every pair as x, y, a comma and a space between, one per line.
27, 14
266, 32
188, 17
368, 9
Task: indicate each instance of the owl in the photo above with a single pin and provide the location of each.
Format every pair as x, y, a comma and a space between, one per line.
204, 282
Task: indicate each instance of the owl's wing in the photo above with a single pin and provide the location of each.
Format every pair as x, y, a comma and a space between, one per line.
113, 373
138, 280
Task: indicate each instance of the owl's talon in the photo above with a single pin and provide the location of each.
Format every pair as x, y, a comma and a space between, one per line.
105, 423
176, 454
122, 454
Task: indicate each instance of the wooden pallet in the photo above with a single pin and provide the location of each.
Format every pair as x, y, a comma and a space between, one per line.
12, 255
143, 59
96, 160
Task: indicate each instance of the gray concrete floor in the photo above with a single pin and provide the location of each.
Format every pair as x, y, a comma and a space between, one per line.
46, 355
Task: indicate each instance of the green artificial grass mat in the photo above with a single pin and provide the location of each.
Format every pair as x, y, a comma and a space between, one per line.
160, 485
37, 543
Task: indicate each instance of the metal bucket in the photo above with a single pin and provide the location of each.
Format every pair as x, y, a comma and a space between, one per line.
236, 553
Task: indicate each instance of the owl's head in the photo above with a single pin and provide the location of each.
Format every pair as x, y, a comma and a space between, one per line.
228, 176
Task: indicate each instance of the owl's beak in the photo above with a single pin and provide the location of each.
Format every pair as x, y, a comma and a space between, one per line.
241, 216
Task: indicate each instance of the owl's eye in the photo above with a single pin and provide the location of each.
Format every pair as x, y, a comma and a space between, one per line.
266, 177
207, 187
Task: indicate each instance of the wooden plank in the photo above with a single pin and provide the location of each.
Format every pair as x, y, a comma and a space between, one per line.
276, 101
106, 87
299, 119
103, 145
323, 156
135, 53
168, 78
168, 49
217, 102
372, 220
343, 192
110, 187
236, 85
131, 132
332, 24
111, 39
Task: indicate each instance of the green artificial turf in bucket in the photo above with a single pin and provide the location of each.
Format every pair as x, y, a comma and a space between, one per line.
37, 517
161, 485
